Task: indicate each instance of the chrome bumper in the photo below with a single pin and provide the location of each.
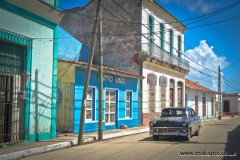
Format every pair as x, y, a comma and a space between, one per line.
169, 131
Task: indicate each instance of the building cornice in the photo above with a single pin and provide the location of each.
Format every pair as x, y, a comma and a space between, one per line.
166, 15
161, 63
40, 9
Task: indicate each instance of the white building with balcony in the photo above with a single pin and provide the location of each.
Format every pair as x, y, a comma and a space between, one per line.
163, 63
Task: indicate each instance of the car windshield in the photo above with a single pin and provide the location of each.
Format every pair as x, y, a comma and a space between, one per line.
173, 113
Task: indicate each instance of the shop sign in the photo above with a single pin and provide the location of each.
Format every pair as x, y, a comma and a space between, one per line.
114, 79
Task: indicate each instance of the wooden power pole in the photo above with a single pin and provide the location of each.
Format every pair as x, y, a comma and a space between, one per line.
219, 95
88, 72
100, 78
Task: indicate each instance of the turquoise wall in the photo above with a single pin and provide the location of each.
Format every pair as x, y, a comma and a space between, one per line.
42, 81
131, 84
54, 3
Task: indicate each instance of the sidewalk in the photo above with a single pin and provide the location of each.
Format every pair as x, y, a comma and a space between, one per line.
66, 140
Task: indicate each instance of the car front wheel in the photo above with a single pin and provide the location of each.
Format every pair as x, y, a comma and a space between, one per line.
155, 137
189, 134
197, 133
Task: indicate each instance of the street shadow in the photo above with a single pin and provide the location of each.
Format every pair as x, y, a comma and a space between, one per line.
233, 144
214, 124
41, 107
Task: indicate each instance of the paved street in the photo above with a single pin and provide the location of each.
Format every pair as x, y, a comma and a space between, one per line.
215, 136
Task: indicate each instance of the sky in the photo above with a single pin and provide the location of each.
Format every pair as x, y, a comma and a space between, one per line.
210, 42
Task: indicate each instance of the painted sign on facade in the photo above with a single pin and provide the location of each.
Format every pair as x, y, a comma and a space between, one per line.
114, 79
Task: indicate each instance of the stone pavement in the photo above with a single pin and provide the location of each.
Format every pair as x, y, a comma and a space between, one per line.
67, 140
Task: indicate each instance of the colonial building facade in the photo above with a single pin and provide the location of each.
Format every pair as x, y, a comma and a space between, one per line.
138, 37
201, 99
120, 98
28, 65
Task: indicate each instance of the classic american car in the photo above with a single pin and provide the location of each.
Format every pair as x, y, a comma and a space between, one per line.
176, 121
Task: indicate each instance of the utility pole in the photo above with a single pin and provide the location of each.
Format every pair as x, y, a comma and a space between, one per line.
88, 72
219, 95
100, 77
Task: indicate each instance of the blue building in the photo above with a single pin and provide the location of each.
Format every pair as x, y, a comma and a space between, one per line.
120, 96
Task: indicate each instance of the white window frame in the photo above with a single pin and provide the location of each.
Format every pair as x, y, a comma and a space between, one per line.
129, 106
109, 101
89, 109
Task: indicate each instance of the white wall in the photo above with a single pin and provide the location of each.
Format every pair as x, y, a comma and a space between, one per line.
148, 10
234, 102
190, 94
150, 68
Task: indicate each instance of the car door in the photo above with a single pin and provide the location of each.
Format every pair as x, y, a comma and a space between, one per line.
192, 120
196, 120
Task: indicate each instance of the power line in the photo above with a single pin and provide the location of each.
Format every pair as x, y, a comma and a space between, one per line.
228, 19
71, 63
226, 82
155, 34
196, 53
214, 13
175, 49
230, 65
145, 37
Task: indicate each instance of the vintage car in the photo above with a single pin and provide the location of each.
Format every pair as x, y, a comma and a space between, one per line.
176, 121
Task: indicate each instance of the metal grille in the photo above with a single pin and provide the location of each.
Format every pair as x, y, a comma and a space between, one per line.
166, 130
12, 92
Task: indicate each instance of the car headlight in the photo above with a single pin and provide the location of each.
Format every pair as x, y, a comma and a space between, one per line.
184, 124
150, 124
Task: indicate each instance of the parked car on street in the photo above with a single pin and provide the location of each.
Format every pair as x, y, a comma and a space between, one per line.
176, 121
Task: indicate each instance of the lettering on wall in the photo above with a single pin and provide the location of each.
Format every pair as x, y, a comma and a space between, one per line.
114, 79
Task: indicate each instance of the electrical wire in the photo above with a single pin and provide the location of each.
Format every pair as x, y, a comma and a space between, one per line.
157, 35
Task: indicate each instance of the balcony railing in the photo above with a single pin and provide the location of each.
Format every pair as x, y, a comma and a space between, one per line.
156, 51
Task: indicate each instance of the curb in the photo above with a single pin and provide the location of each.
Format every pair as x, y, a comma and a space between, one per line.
33, 151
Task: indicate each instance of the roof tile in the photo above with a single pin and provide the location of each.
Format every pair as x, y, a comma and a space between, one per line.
195, 85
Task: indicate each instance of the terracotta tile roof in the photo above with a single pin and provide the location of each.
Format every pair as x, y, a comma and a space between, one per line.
196, 86
109, 70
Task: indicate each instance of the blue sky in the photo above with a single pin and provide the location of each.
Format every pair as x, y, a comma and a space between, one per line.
217, 44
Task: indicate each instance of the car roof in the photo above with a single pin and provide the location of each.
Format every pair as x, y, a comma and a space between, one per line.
178, 108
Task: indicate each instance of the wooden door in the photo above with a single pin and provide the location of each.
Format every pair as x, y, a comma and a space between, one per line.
196, 105
203, 106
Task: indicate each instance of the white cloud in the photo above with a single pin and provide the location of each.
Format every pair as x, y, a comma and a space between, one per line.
207, 61
201, 6
194, 5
